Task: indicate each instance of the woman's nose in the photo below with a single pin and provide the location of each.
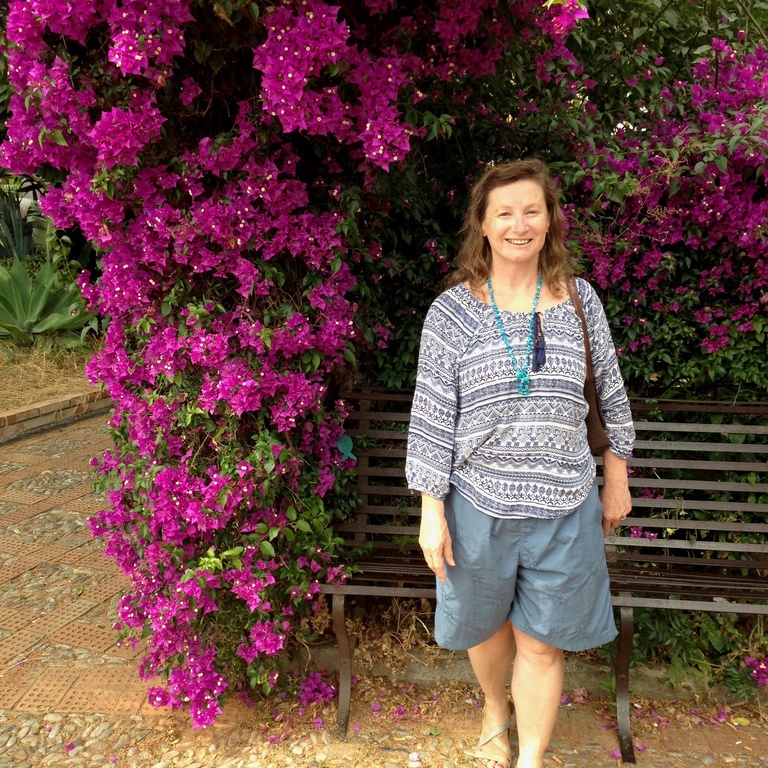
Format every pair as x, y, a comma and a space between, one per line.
518, 223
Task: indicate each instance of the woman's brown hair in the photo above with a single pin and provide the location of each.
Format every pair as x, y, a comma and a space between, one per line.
473, 263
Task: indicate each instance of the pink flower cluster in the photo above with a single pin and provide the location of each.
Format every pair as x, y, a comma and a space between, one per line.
304, 51
120, 134
674, 209
315, 689
145, 36
758, 669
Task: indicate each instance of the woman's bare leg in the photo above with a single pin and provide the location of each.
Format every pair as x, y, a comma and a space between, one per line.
537, 685
491, 661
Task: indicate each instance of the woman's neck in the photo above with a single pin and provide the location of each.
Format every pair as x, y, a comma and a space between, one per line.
514, 285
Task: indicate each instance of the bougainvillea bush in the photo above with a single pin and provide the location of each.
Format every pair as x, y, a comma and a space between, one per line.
275, 187
222, 157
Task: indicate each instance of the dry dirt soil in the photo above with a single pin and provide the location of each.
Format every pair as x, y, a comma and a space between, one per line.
34, 374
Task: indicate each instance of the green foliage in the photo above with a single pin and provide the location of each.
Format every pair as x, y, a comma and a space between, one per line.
698, 647
38, 289
29, 307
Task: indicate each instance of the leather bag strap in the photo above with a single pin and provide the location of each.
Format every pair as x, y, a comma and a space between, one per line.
576, 299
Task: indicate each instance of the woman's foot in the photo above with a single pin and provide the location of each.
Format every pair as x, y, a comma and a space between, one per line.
493, 748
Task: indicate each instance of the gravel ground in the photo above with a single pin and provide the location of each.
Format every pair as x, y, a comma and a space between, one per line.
42, 740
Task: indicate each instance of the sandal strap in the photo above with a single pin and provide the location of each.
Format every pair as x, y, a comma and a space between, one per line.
494, 732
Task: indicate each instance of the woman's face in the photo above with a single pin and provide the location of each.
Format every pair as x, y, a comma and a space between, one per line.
516, 222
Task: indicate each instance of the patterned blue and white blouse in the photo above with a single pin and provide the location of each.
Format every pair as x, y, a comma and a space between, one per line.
511, 455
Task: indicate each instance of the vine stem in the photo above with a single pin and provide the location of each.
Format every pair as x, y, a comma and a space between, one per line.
751, 16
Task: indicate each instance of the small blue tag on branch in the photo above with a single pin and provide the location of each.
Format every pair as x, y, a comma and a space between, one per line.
345, 448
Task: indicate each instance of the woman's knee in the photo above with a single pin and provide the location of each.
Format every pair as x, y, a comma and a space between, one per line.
536, 651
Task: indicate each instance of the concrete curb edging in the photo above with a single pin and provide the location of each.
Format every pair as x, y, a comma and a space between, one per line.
595, 676
48, 413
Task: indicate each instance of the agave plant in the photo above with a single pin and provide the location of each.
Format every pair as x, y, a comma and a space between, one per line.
15, 229
24, 231
29, 307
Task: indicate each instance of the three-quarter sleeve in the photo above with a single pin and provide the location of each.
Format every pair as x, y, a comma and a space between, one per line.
611, 393
435, 401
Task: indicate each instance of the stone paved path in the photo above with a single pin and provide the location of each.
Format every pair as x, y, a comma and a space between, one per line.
69, 697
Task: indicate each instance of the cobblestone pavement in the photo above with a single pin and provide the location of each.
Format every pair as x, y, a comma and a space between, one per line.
70, 697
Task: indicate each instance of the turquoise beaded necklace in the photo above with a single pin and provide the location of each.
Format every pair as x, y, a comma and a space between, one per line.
523, 376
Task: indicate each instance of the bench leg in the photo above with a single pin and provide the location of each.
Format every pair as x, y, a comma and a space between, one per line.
346, 651
623, 659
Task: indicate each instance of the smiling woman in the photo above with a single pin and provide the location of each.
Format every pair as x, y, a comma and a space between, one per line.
497, 447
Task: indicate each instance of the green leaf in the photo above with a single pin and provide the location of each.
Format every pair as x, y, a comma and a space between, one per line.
672, 18
742, 721
58, 137
232, 552
303, 526
678, 673
266, 549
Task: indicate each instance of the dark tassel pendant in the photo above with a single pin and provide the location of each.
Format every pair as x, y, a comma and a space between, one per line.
539, 346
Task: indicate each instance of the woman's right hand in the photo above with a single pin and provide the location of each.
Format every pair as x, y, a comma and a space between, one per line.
434, 536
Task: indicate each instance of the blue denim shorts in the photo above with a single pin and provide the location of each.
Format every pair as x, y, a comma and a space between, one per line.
547, 577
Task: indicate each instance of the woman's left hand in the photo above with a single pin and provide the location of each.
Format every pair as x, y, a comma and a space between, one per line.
617, 503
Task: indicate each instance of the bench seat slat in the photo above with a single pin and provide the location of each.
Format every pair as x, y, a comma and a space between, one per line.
709, 606
712, 546
615, 559
656, 578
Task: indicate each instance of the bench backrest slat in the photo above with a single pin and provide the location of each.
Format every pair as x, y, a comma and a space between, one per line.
696, 525
685, 446
723, 429
687, 504
707, 466
710, 546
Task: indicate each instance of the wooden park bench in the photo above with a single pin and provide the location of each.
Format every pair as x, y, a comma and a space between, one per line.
693, 542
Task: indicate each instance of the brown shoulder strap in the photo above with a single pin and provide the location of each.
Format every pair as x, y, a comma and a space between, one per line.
576, 299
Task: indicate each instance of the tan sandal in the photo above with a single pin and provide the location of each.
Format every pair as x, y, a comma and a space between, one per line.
500, 753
